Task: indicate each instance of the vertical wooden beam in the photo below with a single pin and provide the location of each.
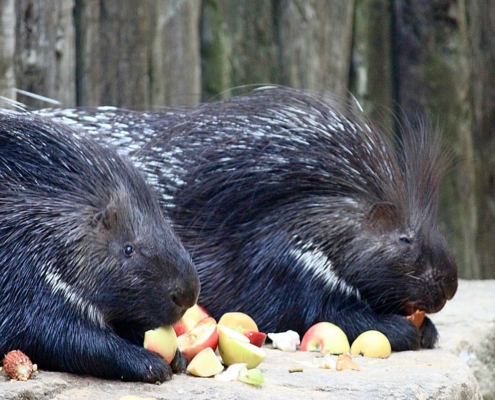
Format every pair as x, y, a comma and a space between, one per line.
175, 61
45, 51
7, 49
314, 39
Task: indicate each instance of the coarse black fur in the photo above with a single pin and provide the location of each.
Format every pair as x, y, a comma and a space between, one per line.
88, 262
296, 211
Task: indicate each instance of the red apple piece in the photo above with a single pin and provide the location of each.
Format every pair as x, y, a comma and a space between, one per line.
190, 318
203, 335
255, 337
163, 341
325, 337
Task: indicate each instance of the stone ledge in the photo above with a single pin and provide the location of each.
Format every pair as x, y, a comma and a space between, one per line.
467, 329
429, 374
462, 368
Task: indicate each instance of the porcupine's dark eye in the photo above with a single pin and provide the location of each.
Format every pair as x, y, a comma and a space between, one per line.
128, 250
405, 239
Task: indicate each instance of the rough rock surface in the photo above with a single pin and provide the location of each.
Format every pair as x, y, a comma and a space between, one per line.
466, 327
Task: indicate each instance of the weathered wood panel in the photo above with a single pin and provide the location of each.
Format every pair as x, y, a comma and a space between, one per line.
138, 54
238, 45
299, 43
7, 49
372, 72
433, 58
175, 74
433, 71
124, 47
314, 39
45, 50
480, 16
88, 66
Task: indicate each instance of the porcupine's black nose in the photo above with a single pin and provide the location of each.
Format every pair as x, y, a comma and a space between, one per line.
186, 290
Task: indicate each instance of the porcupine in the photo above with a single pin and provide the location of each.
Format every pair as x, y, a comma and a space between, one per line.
88, 261
297, 210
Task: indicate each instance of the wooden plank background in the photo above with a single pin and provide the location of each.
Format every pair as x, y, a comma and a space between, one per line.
411, 57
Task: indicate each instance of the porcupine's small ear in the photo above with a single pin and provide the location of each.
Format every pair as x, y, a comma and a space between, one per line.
107, 218
382, 218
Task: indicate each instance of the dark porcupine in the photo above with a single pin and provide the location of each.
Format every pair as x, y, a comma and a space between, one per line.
88, 261
297, 211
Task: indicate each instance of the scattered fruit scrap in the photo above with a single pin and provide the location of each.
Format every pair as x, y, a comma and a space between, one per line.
252, 377
344, 361
18, 366
285, 341
231, 373
239, 372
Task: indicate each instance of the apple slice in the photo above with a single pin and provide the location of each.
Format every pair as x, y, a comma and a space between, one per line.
238, 321
190, 318
163, 341
372, 344
325, 337
417, 318
235, 348
203, 335
244, 324
255, 337
205, 364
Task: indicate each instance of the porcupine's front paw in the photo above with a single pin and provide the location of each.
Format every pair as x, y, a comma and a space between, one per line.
179, 363
146, 366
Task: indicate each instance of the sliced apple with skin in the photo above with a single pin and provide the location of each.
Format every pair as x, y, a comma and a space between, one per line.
163, 341
238, 321
203, 335
205, 364
372, 344
244, 324
190, 318
325, 337
235, 348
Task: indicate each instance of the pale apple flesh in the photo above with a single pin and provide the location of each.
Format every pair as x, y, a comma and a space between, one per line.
205, 364
325, 337
235, 348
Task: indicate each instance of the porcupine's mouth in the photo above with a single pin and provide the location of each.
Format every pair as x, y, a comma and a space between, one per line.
413, 307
